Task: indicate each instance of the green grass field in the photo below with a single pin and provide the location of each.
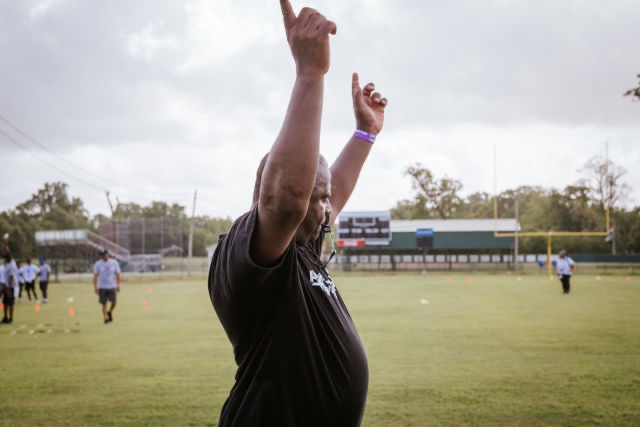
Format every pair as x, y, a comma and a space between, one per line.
444, 350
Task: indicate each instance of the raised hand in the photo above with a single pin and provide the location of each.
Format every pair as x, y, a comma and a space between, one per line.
308, 37
368, 106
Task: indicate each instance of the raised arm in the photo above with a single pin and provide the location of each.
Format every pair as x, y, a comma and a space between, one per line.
290, 171
368, 108
5, 244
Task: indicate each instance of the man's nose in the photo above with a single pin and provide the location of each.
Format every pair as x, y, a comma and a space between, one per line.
328, 209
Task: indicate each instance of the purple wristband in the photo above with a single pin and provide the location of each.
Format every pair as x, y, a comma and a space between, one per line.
369, 137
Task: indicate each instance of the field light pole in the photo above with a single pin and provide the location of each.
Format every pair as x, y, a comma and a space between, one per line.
516, 240
193, 215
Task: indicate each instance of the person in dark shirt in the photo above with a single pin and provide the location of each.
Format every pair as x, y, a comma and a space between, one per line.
300, 359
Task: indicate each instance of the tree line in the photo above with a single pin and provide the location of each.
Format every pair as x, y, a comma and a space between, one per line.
51, 208
578, 207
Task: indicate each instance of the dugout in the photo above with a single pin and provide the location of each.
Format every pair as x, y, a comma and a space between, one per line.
443, 244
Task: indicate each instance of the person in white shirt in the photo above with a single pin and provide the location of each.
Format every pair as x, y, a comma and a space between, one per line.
106, 283
30, 272
45, 272
564, 269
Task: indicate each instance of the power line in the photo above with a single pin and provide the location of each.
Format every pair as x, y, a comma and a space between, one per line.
10, 138
144, 193
44, 147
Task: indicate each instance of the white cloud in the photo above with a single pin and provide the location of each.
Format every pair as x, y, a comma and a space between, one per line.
41, 8
172, 96
147, 43
217, 30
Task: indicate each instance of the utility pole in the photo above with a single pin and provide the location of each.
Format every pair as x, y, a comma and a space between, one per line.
516, 242
109, 200
608, 183
193, 214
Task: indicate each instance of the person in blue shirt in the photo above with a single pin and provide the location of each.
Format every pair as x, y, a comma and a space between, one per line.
564, 269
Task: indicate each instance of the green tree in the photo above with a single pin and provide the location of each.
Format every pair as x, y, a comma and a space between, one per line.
410, 209
635, 92
476, 205
206, 232
50, 208
54, 209
435, 198
603, 178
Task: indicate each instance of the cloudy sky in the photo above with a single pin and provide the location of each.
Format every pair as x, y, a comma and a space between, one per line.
153, 99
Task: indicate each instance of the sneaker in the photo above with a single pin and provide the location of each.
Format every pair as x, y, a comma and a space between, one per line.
20, 300
10, 321
45, 300
5, 320
110, 316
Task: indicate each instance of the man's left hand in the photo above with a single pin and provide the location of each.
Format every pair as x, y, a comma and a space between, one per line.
368, 106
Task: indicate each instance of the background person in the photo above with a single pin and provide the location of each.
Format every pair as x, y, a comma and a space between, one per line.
30, 271
11, 283
3, 284
21, 280
106, 283
45, 273
300, 358
564, 269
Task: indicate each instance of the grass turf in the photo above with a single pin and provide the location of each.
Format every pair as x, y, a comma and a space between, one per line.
443, 349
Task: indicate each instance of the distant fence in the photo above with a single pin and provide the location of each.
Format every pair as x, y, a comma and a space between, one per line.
408, 262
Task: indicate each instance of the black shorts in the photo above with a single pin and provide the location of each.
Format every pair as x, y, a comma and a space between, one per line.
44, 285
105, 295
7, 296
31, 286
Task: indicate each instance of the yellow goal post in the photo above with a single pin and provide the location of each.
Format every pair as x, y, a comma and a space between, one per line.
549, 234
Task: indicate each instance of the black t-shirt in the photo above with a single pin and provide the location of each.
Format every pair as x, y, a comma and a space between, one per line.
300, 359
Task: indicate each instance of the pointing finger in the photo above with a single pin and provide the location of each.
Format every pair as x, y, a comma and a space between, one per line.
288, 16
355, 84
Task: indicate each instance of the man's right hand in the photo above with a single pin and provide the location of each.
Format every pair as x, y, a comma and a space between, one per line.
308, 37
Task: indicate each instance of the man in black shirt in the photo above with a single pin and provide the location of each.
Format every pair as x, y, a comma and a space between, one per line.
300, 359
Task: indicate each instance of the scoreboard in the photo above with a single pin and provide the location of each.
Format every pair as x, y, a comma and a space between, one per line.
364, 228
424, 238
